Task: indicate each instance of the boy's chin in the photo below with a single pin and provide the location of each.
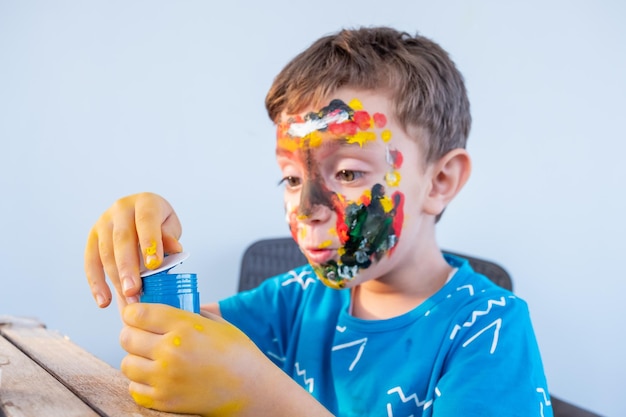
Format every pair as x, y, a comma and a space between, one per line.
329, 277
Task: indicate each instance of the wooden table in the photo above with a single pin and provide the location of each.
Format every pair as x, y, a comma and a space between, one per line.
43, 373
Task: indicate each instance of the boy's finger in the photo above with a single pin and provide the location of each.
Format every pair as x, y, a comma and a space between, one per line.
139, 342
137, 368
150, 214
126, 255
154, 318
95, 272
106, 254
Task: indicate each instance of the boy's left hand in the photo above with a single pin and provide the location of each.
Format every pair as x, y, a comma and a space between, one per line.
180, 361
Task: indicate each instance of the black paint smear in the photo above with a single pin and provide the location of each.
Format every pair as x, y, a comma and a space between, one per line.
335, 105
370, 231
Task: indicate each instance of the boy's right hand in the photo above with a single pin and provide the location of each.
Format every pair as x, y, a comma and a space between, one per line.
143, 222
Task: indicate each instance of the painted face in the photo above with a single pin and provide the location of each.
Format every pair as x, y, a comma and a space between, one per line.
341, 173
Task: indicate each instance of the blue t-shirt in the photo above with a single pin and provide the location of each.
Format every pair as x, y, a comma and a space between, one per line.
468, 350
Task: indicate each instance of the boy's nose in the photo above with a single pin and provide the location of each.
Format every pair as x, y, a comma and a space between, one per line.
316, 202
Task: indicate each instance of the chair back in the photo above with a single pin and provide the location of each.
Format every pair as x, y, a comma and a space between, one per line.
268, 257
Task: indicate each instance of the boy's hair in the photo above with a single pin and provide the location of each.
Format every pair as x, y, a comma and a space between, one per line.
426, 90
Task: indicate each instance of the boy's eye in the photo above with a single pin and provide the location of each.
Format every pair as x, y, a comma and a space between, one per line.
346, 175
290, 181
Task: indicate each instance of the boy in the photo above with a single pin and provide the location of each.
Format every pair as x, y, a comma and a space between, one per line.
371, 131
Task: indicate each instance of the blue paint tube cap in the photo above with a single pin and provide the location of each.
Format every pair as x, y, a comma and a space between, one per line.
175, 289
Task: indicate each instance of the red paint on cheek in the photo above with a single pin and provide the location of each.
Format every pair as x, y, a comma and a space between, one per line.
363, 120
398, 219
396, 158
379, 120
341, 227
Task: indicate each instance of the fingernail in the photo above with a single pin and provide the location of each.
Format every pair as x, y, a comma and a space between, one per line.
132, 300
100, 299
127, 284
152, 261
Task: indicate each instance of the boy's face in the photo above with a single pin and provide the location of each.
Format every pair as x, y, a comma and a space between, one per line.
354, 187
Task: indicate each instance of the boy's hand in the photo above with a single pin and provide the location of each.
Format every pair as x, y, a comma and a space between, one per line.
183, 362
140, 222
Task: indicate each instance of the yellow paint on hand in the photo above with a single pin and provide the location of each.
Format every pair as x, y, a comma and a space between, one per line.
143, 400
198, 327
151, 259
176, 341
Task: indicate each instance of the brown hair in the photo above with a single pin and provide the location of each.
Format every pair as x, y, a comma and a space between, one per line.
427, 91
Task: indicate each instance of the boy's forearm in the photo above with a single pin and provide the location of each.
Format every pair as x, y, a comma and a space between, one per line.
277, 395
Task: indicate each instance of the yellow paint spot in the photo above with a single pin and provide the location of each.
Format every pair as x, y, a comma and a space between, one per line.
198, 327
142, 399
301, 234
152, 249
151, 259
393, 178
361, 138
355, 104
341, 251
315, 139
385, 135
325, 244
386, 203
176, 341
288, 144
332, 231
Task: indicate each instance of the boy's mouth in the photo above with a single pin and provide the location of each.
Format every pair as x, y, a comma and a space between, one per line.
319, 256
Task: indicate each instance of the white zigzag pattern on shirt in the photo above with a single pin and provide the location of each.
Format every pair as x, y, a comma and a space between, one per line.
546, 402
310, 382
299, 278
468, 287
361, 342
476, 314
413, 397
496, 335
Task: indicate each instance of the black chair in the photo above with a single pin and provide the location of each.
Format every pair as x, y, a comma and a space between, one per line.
269, 257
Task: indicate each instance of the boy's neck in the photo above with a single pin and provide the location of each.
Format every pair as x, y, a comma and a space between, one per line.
386, 297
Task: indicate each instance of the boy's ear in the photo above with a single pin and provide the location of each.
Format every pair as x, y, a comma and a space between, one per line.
449, 175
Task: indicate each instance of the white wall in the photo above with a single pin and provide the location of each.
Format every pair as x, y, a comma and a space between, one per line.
100, 99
